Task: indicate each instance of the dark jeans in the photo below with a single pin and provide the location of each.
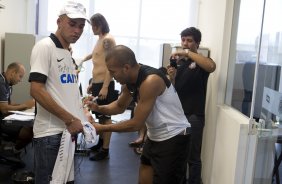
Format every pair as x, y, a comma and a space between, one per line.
45, 155
194, 159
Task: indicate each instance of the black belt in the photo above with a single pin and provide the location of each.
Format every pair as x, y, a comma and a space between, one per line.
186, 131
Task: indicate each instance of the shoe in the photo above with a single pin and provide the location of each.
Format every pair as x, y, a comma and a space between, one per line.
101, 155
98, 146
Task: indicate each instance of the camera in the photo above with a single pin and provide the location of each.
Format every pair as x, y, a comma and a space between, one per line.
173, 62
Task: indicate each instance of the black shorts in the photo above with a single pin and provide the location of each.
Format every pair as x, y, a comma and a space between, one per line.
112, 96
10, 130
168, 159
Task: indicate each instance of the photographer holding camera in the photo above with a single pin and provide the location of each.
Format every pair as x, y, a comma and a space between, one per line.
189, 72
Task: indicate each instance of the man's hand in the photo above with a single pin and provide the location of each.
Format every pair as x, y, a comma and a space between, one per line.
29, 103
90, 118
171, 71
98, 127
89, 89
90, 102
103, 93
74, 126
181, 53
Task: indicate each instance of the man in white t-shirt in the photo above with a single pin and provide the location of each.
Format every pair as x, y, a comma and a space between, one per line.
54, 87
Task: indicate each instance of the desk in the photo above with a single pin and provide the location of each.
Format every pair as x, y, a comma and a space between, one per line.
9, 130
23, 118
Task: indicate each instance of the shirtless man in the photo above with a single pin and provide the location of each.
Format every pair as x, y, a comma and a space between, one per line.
102, 84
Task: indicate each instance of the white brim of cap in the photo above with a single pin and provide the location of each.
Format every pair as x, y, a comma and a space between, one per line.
77, 16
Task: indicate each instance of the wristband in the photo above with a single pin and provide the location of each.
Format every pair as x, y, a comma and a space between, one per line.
70, 122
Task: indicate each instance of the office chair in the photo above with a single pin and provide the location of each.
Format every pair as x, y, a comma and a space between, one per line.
6, 157
277, 161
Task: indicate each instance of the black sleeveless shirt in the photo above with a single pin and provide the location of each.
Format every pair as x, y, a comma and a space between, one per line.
144, 72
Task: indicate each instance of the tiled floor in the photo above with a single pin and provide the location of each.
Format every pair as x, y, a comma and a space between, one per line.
120, 168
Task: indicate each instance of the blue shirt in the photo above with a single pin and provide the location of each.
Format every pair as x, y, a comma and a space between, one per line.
5, 90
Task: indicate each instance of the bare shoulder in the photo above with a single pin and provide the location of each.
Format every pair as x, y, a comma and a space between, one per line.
108, 42
153, 85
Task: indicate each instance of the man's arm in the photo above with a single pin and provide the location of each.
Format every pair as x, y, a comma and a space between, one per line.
149, 90
108, 43
39, 93
116, 107
5, 107
88, 57
105, 88
205, 63
171, 71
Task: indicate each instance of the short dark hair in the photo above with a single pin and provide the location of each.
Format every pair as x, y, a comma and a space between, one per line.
14, 66
194, 32
122, 55
100, 21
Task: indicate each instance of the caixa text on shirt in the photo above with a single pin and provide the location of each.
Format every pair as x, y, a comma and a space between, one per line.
68, 78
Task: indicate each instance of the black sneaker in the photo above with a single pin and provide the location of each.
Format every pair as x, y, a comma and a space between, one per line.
98, 146
101, 155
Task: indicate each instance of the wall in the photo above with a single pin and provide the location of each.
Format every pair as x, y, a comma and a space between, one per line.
18, 47
230, 145
17, 17
215, 22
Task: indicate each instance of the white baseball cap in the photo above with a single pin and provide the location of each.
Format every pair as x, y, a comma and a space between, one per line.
74, 10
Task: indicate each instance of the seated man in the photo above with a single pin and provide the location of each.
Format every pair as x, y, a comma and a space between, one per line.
21, 135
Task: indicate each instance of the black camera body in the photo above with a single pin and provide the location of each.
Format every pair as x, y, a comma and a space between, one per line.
173, 62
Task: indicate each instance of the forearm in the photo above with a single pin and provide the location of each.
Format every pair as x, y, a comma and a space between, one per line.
172, 80
46, 101
17, 107
108, 79
111, 109
123, 126
204, 62
87, 57
12, 107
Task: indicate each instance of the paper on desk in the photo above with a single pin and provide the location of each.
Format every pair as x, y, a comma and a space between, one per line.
23, 113
19, 117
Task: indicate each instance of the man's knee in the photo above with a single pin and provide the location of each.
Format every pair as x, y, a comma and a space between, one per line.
26, 133
146, 174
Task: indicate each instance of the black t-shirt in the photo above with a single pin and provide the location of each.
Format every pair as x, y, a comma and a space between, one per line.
191, 86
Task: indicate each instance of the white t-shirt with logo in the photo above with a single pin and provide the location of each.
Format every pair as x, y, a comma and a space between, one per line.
51, 60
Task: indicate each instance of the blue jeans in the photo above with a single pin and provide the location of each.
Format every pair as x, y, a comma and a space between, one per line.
45, 154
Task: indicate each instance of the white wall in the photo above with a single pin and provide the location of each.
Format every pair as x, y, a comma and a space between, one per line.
229, 149
215, 22
17, 17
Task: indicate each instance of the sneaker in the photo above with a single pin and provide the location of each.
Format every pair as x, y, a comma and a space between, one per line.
98, 146
101, 155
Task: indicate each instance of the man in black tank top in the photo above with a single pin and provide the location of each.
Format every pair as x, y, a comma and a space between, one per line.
191, 85
164, 156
